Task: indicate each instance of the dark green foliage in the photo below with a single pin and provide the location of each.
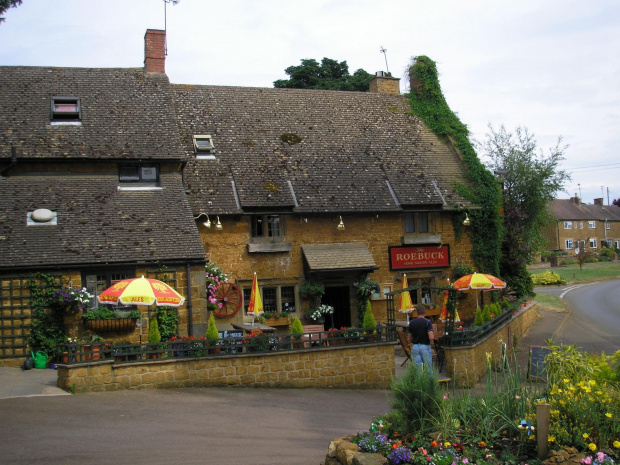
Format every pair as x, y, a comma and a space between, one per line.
518, 279
416, 401
106, 313
428, 103
328, 75
458, 271
479, 317
6, 4
48, 330
365, 289
167, 322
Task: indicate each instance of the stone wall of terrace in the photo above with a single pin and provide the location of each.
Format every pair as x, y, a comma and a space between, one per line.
370, 366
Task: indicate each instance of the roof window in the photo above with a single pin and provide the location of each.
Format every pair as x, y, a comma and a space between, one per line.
203, 147
66, 110
42, 217
138, 177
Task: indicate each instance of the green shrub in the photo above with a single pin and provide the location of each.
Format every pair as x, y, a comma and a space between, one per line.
458, 271
167, 321
547, 278
154, 334
212, 332
505, 304
478, 318
296, 326
369, 319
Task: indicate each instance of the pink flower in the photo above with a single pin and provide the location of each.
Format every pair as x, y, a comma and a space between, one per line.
601, 457
465, 461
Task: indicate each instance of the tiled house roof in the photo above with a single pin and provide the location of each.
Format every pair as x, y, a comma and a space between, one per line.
569, 210
313, 151
97, 223
126, 114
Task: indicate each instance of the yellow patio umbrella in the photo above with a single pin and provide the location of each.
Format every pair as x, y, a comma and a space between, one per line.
256, 303
406, 306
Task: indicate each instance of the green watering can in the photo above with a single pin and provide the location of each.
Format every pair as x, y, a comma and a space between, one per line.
40, 359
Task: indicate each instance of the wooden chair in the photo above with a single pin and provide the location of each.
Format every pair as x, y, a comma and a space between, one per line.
312, 339
404, 342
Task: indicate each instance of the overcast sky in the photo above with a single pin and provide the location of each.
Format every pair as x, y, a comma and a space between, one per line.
552, 66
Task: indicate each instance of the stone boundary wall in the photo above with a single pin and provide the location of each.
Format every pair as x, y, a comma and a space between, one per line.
368, 366
467, 365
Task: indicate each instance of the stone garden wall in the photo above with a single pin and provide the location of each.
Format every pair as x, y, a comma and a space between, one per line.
370, 365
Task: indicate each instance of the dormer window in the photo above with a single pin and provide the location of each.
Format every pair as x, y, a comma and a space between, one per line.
203, 147
139, 176
66, 110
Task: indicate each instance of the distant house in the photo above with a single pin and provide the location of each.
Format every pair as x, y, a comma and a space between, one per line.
576, 224
114, 173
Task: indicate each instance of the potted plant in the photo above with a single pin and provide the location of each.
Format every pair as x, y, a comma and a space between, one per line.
212, 335
296, 331
125, 350
91, 346
369, 324
154, 338
318, 314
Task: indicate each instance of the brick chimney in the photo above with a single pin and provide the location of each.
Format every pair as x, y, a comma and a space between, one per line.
382, 84
155, 51
598, 202
576, 200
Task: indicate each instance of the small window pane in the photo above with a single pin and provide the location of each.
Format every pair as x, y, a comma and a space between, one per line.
274, 226
409, 223
423, 222
568, 225
569, 244
149, 173
247, 293
270, 299
66, 107
288, 298
129, 173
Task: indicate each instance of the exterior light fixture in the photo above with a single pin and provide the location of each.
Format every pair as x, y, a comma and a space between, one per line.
208, 222
218, 225
341, 225
466, 221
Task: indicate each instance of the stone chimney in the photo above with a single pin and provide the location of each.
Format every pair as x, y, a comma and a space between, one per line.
382, 84
155, 51
598, 202
576, 200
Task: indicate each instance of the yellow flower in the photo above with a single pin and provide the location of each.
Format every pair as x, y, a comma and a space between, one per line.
566, 380
592, 446
551, 438
446, 444
608, 415
617, 444
592, 382
586, 435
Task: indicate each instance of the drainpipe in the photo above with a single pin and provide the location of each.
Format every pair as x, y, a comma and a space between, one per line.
13, 161
190, 317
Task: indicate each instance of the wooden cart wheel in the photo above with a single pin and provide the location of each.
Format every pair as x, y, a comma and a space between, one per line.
228, 300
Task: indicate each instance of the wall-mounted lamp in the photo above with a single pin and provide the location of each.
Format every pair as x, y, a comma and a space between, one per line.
218, 225
208, 222
466, 221
340, 225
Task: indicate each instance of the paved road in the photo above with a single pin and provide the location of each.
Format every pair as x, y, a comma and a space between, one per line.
592, 321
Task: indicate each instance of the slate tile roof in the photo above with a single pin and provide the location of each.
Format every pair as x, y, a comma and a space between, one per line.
126, 114
336, 256
313, 151
567, 209
97, 223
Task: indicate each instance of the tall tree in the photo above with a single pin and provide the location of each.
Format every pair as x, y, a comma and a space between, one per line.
328, 75
6, 4
531, 180
616, 202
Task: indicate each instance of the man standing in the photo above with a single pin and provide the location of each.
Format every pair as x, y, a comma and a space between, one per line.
420, 335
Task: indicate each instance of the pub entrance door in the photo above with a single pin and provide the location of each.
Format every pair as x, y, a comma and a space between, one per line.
338, 297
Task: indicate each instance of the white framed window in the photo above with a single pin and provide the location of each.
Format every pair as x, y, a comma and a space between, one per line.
607, 225
608, 243
65, 110
581, 225
617, 244
569, 244
138, 177
592, 224
593, 243
203, 147
568, 225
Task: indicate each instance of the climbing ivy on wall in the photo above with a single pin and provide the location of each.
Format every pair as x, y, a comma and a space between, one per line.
428, 103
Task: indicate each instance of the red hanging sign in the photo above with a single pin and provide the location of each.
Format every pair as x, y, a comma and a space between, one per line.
417, 258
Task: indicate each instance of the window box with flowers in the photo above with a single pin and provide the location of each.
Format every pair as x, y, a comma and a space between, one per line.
276, 319
104, 319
